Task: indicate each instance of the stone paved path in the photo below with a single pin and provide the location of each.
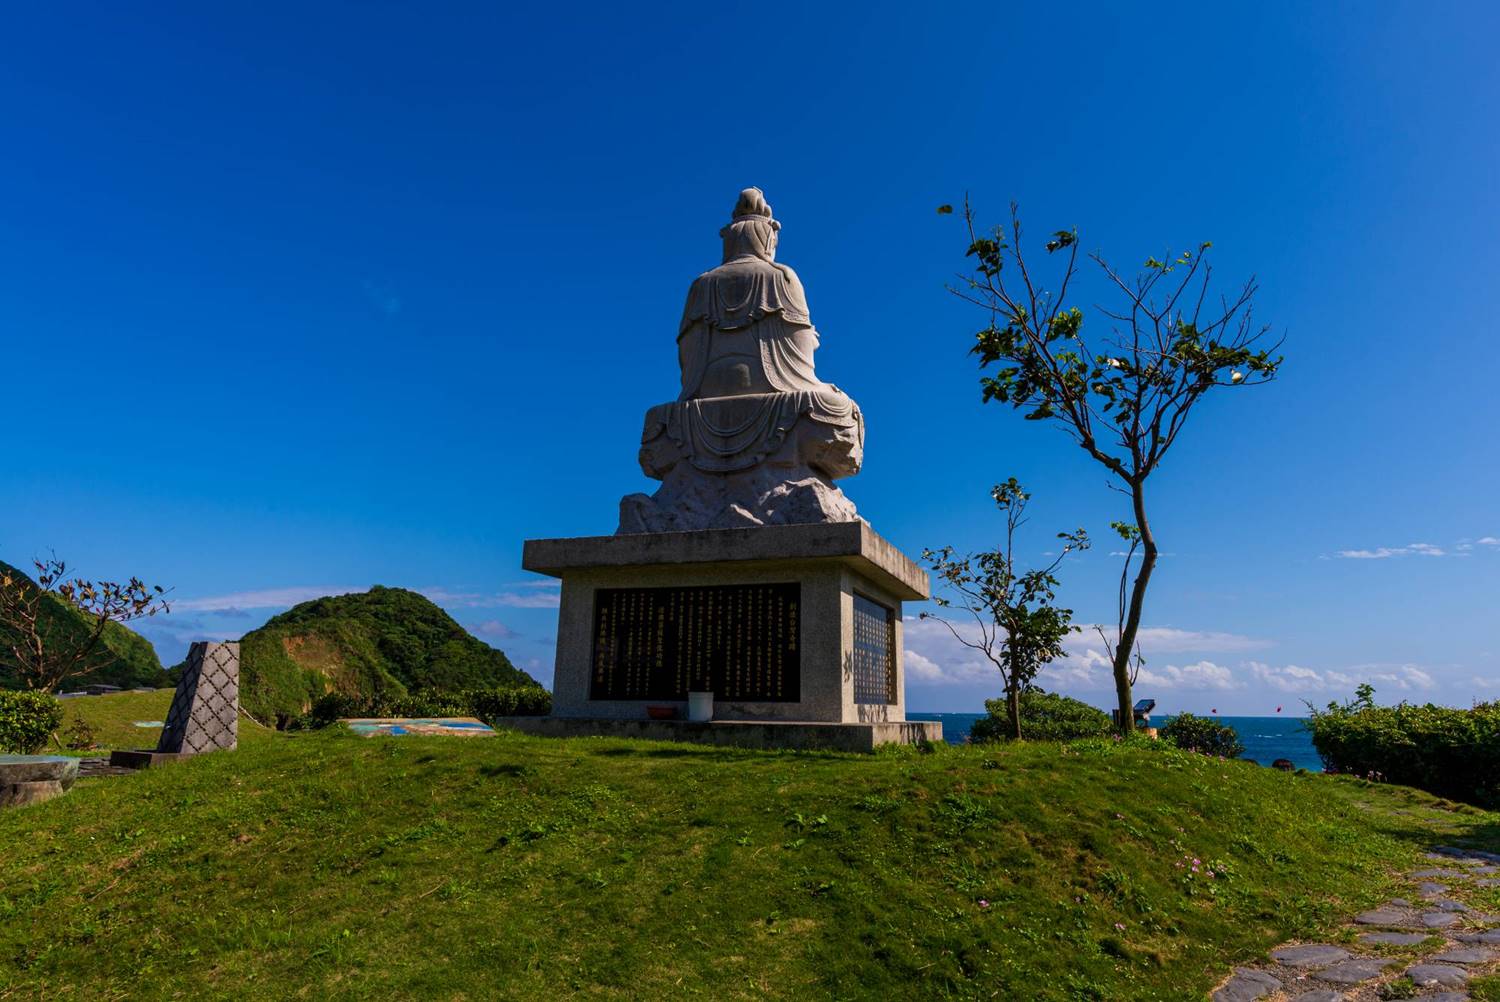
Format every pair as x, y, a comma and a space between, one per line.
92, 768
1427, 947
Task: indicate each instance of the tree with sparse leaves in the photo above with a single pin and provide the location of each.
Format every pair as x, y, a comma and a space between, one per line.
1123, 397
1019, 629
42, 657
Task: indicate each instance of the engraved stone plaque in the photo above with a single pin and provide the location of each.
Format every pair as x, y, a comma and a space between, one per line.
874, 652
740, 642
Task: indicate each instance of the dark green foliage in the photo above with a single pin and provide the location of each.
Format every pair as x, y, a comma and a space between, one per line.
1045, 716
1202, 735
377, 645
128, 660
27, 720
1451, 752
486, 704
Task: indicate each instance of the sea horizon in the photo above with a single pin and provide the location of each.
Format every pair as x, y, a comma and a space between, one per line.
1266, 738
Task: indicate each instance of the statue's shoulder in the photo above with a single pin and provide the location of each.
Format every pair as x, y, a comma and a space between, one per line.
741, 292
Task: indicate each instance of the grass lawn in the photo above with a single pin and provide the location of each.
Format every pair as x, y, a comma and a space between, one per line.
325, 865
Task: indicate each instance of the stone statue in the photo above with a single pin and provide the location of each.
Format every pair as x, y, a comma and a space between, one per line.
755, 438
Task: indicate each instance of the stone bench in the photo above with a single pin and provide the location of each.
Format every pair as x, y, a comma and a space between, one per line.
30, 779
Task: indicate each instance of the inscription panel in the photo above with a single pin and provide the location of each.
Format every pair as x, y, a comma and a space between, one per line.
874, 652
740, 642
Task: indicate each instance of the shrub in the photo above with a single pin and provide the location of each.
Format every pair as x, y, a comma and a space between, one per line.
1045, 716
27, 720
486, 704
1199, 734
1450, 752
517, 701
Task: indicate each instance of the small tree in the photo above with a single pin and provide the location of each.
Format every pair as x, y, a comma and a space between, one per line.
1124, 398
42, 654
1020, 630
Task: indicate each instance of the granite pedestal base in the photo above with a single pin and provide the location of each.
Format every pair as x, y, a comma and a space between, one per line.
736, 733
786, 623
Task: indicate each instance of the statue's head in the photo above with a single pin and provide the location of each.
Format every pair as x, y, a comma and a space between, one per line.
751, 230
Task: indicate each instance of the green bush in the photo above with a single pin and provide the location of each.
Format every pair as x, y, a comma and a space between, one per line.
486, 704
1045, 716
1200, 734
1450, 752
27, 720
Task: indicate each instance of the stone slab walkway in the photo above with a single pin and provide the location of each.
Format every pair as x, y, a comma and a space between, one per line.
93, 768
1426, 947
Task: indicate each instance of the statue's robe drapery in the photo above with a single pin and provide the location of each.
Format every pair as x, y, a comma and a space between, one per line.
762, 303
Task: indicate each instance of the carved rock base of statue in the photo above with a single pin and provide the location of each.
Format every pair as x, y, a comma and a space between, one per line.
694, 501
753, 459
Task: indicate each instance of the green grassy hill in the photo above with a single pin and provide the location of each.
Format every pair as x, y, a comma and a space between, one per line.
383, 641
129, 660
321, 865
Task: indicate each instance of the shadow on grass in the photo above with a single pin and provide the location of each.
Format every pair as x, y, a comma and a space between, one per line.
1480, 835
1403, 814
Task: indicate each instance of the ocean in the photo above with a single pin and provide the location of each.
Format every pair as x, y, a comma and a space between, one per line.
1266, 739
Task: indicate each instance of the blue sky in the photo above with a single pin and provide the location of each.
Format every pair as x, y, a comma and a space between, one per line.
297, 299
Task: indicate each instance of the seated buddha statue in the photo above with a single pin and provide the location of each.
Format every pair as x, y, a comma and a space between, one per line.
754, 437
745, 328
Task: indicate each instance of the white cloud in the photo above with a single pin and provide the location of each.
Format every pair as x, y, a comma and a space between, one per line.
1297, 679
535, 596
1201, 675
935, 658
493, 628
525, 595
1386, 552
1169, 640
1489, 541
163, 630
935, 655
269, 598
529, 600
1404, 677
922, 667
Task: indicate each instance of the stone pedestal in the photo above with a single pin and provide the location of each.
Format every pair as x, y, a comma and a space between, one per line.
205, 713
789, 623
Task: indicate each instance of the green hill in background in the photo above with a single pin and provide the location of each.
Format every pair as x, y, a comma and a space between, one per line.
386, 641
128, 660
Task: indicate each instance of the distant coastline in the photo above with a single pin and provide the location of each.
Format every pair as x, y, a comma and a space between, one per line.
1266, 739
